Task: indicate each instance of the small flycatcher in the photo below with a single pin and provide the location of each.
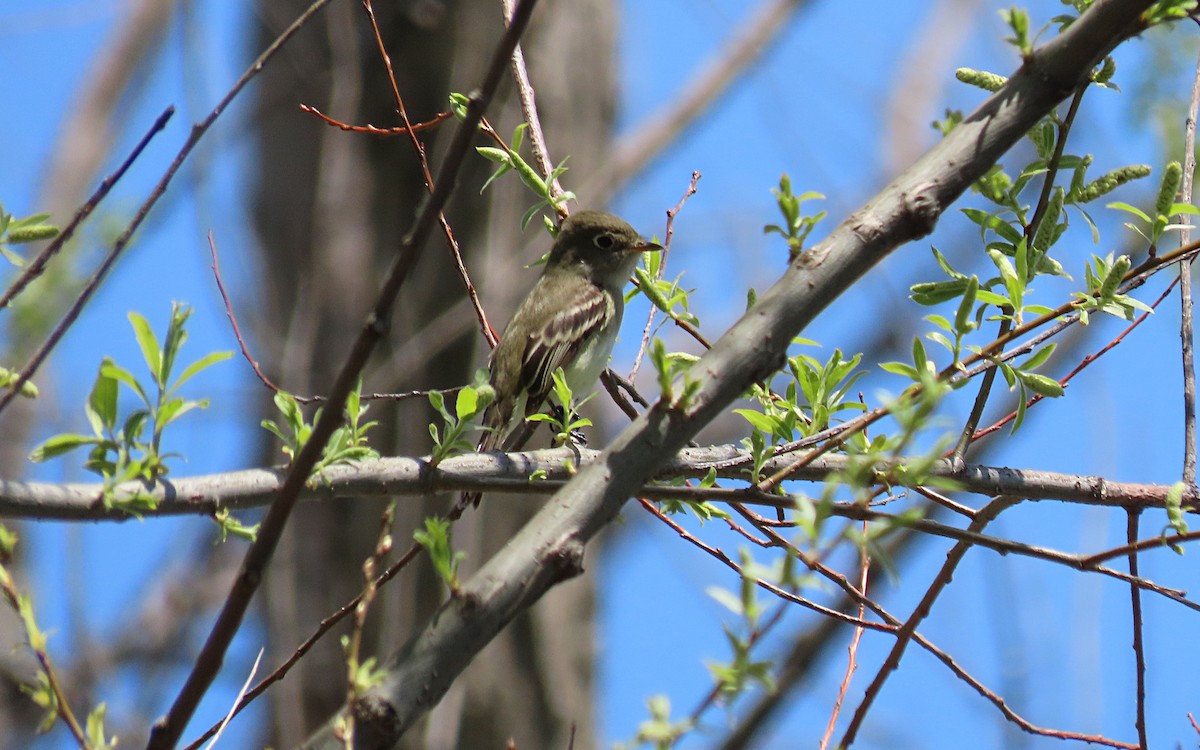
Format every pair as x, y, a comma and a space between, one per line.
569, 319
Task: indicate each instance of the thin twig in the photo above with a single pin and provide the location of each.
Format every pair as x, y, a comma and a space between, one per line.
262, 377
920, 612
1163, 541
662, 269
958, 456
197, 132
1139, 651
857, 622
485, 327
237, 331
374, 130
967, 435
318, 633
353, 644
166, 731
1185, 291
852, 660
537, 138
241, 694
904, 634
1055, 161
1083, 364
37, 266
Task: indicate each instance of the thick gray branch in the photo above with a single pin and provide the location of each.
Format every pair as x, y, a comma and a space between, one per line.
496, 472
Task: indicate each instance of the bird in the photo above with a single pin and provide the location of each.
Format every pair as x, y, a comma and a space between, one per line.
569, 319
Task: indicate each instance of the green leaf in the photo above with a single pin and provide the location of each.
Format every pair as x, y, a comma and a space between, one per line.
438, 401
147, 341
1120, 206
901, 368
176, 336
1022, 407
112, 370
101, 407
920, 361
759, 421
962, 317
989, 297
1039, 357
498, 155
726, 598
930, 293
990, 221
467, 403
199, 365
60, 444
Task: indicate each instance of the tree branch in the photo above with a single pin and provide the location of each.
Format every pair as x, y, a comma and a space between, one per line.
499, 472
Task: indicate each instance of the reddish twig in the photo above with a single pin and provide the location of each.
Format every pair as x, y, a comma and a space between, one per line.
906, 631
851, 662
920, 612
1156, 542
372, 129
489, 333
237, 331
1083, 364
765, 585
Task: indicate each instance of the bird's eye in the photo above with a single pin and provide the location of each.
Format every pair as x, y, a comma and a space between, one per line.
603, 241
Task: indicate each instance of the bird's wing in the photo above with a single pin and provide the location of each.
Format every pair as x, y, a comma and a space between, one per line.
560, 340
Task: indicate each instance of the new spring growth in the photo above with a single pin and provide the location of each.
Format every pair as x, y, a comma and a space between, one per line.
981, 78
1172, 176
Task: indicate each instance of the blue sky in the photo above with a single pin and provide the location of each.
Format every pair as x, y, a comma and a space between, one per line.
821, 107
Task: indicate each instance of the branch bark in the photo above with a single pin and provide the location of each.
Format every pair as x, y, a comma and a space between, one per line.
509, 473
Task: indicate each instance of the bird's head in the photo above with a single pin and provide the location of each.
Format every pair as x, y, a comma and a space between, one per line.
605, 246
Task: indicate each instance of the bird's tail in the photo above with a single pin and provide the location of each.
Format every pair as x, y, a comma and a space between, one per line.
492, 439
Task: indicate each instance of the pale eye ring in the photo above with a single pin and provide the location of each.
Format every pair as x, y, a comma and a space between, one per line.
604, 241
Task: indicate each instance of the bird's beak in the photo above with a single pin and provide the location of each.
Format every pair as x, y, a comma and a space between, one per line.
646, 246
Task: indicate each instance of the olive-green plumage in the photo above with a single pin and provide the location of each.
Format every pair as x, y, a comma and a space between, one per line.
569, 320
